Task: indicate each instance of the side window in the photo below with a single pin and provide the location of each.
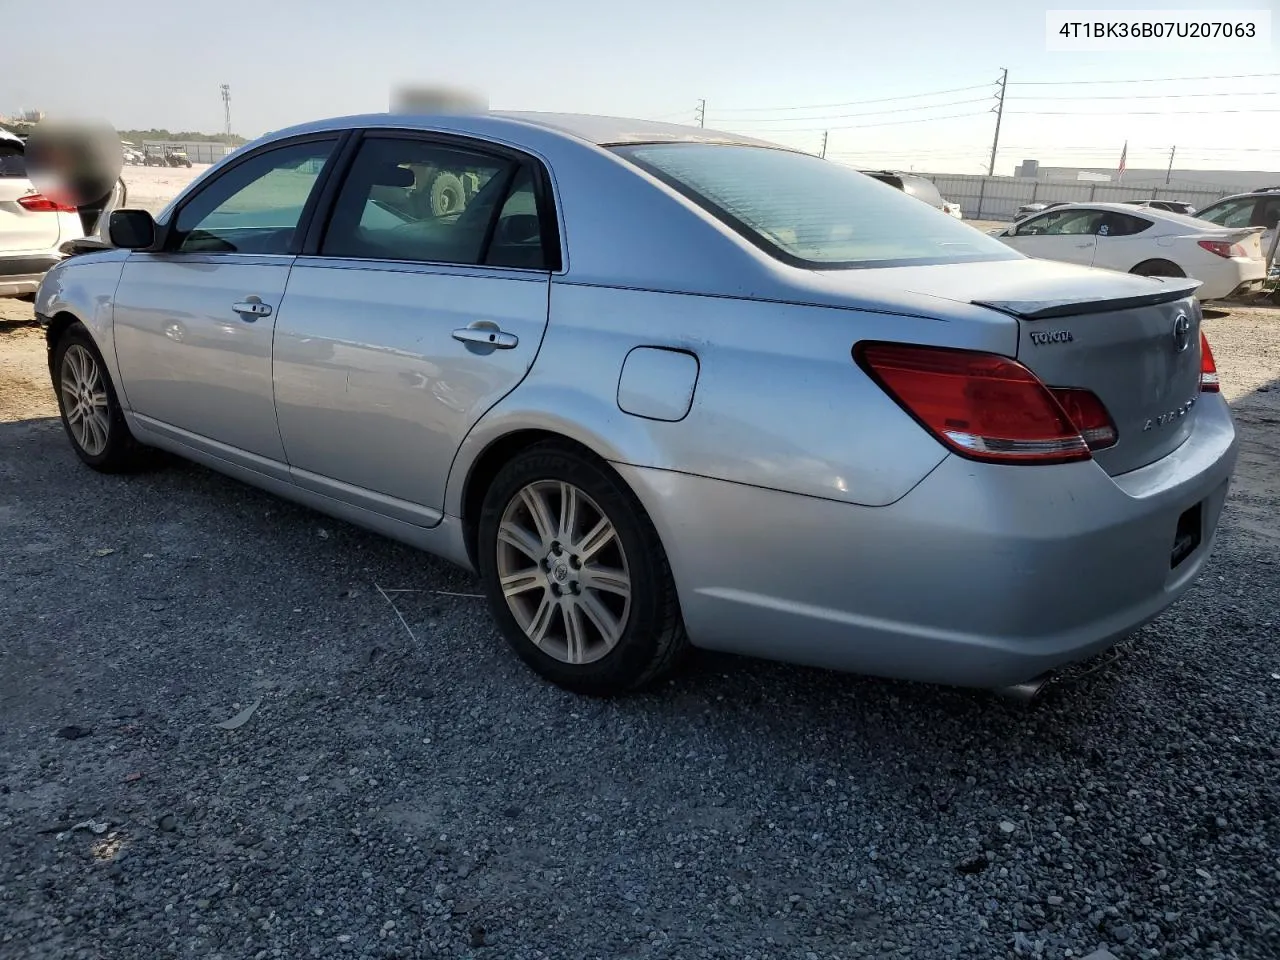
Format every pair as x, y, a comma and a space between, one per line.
407, 199
255, 206
1232, 213
1037, 226
1268, 213
13, 161
1121, 225
517, 238
1063, 223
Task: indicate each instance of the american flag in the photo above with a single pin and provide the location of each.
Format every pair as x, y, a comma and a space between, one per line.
1123, 154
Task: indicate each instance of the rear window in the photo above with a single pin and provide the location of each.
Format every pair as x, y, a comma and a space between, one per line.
13, 162
810, 212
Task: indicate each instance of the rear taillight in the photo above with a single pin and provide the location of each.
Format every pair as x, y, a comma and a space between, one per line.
1208, 369
1223, 249
986, 407
1088, 415
39, 203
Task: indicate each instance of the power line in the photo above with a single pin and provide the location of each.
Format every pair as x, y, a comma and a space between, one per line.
1069, 83
852, 103
1136, 113
1160, 96
846, 116
886, 123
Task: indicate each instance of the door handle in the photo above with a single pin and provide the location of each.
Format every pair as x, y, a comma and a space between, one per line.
1084, 246
484, 333
251, 308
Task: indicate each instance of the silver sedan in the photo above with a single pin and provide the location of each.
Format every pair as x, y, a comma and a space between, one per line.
661, 386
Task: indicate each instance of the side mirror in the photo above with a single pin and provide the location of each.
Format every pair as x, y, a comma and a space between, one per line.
131, 229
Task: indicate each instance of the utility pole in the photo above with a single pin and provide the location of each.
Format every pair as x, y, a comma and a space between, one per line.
823, 154
226, 107
1004, 81
702, 113
1169, 172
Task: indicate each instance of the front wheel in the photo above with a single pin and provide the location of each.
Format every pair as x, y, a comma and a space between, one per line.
91, 413
576, 575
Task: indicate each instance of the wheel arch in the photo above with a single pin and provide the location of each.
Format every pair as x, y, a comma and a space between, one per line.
59, 324
490, 461
1161, 261
532, 414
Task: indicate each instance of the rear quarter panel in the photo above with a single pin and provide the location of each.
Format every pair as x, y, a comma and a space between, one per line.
778, 403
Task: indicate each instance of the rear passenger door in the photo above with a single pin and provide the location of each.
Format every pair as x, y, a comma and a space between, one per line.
419, 304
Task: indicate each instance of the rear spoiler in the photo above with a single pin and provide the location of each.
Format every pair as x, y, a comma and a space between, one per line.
1048, 309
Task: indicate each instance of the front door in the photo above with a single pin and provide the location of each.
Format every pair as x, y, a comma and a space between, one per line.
194, 323
424, 305
1066, 235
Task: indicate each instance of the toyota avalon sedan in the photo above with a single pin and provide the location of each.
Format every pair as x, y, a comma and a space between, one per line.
661, 387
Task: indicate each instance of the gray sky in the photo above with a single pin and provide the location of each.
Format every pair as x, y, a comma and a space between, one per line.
139, 63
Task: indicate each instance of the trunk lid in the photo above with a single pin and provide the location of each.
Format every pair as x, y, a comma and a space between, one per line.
1115, 334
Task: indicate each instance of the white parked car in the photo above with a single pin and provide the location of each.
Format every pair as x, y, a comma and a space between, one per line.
1154, 243
35, 230
952, 208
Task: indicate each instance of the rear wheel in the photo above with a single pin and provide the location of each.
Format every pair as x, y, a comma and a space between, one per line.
575, 573
91, 412
1158, 268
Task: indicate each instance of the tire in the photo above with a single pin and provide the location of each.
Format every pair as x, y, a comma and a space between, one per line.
593, 638
99, 435
1158, 268
448, 195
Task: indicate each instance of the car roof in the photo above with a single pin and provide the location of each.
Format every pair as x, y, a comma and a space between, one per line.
6, 135
601, 131
1246, 195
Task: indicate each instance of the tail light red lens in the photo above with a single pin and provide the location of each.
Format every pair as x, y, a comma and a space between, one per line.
983, 406
1088, 415
39, 203
1223, 249
1208, 369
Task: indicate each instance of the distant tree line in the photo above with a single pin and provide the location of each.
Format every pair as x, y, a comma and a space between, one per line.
138, 136
181, 136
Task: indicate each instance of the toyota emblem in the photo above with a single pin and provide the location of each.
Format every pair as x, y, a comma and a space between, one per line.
1181, 332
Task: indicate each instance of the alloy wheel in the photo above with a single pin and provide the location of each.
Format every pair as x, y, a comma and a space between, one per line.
84, 398
563, 571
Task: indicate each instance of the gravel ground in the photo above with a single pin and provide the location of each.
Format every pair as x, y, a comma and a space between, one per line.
406, 788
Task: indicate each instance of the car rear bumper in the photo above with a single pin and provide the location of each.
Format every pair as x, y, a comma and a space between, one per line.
981, 576
1245, 289
20, 274
1228, 278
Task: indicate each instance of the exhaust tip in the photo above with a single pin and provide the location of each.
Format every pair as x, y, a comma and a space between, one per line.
1026, 691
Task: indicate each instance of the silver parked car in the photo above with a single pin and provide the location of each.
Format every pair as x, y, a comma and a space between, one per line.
661, 386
